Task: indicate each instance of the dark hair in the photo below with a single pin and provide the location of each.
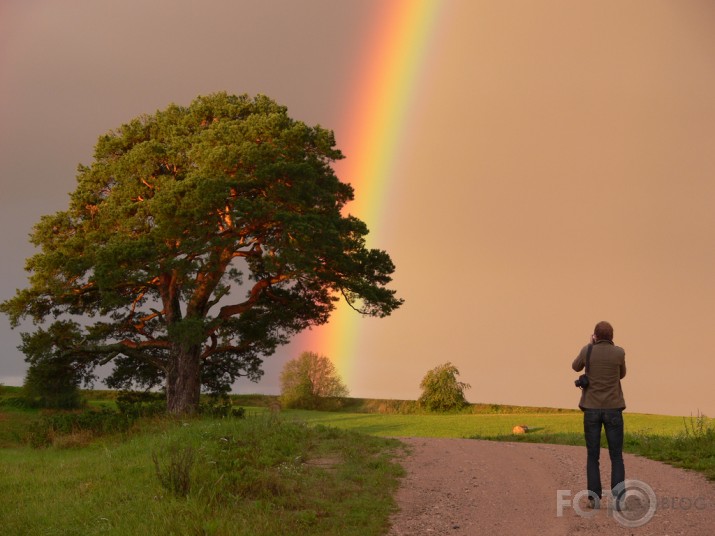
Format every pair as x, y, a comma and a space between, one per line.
603, 331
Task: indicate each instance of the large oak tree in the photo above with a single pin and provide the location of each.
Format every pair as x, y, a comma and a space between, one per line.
198, 240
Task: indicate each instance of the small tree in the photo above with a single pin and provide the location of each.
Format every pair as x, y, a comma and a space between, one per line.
53, 377
440, 389
51, 385
311, 382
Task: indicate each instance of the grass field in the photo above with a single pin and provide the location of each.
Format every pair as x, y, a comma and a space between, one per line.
257, 475
488, 426
292, 472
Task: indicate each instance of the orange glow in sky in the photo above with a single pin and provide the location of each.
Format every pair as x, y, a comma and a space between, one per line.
555, 169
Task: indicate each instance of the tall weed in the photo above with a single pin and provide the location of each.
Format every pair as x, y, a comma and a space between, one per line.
174, 473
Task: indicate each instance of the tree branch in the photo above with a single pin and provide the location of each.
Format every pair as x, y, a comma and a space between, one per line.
215, 349
127, 347
228, 311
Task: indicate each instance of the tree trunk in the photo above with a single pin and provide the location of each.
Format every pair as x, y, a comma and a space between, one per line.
183, 381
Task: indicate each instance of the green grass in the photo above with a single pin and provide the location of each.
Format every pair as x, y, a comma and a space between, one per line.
542, 426
683, 442
14, 419
13, 425
259, 475
295, 472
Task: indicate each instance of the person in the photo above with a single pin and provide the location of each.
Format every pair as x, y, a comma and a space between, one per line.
602, 404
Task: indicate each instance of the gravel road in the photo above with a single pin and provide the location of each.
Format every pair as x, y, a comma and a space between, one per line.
472, 487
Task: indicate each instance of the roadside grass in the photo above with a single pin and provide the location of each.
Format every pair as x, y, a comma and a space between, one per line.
692, 448
287, 472
258, 475
687, 442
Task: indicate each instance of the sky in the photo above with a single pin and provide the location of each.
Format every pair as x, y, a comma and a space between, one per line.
552, 166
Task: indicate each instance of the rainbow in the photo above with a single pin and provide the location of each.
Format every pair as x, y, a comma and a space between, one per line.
372, 136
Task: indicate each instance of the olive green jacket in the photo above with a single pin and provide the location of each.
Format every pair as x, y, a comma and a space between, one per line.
607, 368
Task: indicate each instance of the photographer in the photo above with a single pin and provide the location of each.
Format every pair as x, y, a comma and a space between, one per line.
602, 404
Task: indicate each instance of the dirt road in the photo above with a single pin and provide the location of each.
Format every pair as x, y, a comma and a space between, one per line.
471, 487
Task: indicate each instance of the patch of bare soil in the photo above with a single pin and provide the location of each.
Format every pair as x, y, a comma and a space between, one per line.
469, 487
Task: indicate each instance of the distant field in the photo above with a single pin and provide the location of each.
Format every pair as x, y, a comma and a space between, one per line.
397, 418
541, 425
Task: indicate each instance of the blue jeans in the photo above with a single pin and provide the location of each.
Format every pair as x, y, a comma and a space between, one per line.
612, 422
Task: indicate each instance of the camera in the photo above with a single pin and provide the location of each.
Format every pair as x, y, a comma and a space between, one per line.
582, 381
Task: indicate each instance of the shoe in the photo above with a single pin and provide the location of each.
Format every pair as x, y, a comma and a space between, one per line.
594, 504
619, 502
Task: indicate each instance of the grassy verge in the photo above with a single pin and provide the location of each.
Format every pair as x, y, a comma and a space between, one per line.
694, 448
683, 442
259, 475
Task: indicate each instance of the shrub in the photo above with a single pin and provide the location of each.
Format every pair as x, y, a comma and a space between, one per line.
52, 385
141, 403
311, 382
370, 405
45, 431
441, 391
54, 375
20, 402
220, 406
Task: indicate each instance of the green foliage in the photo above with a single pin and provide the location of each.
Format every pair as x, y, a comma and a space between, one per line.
48, 429
137, 404
386, 406
203, 234
441, 391
53, 377
407, 407
259, 475
221, 407
254, 400
51, 386
19, 402
310, 381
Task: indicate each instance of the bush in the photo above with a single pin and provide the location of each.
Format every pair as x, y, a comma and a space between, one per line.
20, 402
141, 403
311, 382
54, 374
52, 385
441, 391
49, 428
220, 406
384, 406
